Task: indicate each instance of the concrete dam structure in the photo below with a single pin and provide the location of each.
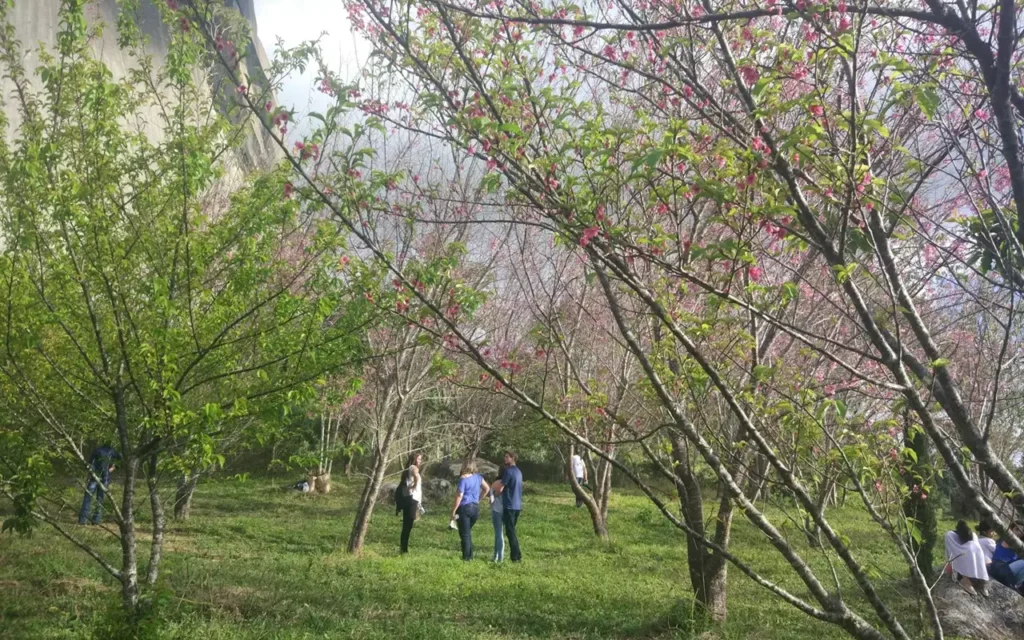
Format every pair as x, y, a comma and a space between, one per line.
37, 22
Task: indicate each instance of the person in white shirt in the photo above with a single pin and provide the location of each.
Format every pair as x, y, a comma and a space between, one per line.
579, 469
964, 553
987, 539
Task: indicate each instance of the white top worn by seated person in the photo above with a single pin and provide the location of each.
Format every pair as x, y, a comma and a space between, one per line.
577, 466
968, 559
988, 547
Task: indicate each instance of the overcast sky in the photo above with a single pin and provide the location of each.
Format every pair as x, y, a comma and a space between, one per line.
296, 21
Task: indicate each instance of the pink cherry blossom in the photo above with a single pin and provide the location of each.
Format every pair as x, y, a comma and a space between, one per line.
588, 235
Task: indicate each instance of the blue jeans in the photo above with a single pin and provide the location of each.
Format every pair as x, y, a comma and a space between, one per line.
1011, 574
92, 488
511, 517
499, 536
467, 515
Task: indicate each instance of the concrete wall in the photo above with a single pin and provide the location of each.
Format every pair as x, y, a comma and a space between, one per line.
36, 24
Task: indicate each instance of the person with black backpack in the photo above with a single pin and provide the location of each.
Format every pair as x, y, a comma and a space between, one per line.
408, 496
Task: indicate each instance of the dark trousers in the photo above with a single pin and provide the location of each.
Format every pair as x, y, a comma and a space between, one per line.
466, 518
97, 489
409, 513
579, 498
510, 517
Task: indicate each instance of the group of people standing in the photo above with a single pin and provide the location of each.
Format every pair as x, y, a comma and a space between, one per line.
504, 495
974, 559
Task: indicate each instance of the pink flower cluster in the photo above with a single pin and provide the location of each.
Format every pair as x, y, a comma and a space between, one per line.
307, 151
588, 235
281, 121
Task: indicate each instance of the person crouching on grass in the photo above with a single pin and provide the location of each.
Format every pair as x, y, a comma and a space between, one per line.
467, 505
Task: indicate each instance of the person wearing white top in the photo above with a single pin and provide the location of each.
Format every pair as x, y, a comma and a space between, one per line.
987, 539
497, 513
965, 554
414, 495
579, 469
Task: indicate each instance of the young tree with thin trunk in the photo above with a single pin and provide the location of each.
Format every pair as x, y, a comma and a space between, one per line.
136, 310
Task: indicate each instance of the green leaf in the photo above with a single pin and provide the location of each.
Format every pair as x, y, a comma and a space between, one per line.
654, 157
927, 99
876, 126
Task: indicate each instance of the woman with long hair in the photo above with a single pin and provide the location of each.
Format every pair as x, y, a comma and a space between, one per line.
467, 505
413, 487
967, 559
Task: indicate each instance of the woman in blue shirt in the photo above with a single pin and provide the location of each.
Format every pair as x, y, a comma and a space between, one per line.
467, 505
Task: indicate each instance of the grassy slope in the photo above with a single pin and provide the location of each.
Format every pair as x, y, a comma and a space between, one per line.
257, 562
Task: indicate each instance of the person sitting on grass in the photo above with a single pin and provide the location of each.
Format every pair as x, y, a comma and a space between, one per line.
101, 463
467, 505
1006, 567
967, 558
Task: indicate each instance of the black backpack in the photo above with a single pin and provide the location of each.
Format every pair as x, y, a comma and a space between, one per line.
402, 493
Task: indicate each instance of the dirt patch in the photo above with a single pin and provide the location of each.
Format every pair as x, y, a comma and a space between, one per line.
71, 586
239, 602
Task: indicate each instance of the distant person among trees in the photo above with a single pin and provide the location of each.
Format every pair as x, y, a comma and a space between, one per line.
1006, 567
101, 463
497, 513
511, 489
579, 469
466, 510
411, 485
987, 539
964, 553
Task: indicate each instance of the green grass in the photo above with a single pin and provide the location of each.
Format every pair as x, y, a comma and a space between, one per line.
258, 562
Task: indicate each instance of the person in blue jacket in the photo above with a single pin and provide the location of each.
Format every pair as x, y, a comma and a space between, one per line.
101, 463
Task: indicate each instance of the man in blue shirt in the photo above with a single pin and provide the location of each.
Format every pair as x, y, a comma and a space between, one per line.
101, 463
511, 488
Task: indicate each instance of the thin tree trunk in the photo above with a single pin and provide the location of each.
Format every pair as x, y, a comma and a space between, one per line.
915, 507
603, 485
707, 569
126, 525
367, 502
183, 496
157, 547
373, 484
596, 517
